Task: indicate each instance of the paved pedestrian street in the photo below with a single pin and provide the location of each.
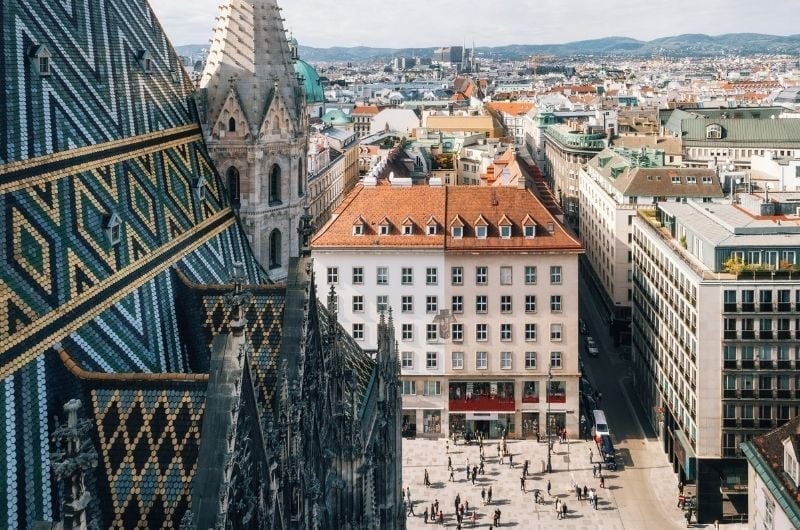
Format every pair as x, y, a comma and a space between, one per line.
570, 464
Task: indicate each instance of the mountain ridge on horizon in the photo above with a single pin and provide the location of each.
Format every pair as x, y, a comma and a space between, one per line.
685, 45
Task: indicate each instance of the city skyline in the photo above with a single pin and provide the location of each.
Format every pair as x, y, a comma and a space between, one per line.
551, 24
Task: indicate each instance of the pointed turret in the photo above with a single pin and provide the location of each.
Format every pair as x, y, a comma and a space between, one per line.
249, 50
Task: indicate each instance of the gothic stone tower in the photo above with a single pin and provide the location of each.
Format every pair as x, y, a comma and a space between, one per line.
251, 106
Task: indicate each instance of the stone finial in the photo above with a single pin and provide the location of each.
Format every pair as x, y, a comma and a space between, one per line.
237, 299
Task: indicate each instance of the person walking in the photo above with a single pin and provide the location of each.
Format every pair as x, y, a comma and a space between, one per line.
411, 509
558, 510
436, 506
427, 479
578, 491
474, 517
447, 447
425, 515
450, 463
481, 469
467, 469
451, 479
483, 495
591, 456
602, 482
585, 491
548, 488
522, 484
594, 471
594, 500
441, 518
408, 493
563, 510
489, 496
474, 474
510, 460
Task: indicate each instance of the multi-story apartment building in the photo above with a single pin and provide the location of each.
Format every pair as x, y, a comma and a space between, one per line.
613, 186
512, 114
716, 323
479, 281
362, 119
332, 171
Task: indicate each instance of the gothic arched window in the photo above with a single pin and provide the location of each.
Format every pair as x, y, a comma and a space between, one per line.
233, 185
232, 125
275, 184
275, 249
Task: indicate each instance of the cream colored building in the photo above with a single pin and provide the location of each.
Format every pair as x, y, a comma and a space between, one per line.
479, 281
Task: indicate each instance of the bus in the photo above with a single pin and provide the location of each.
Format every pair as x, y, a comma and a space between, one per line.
600, 424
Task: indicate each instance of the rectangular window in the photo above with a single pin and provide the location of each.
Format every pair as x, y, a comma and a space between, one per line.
481, 303
505, 332
555, 275
457, 275
407, 276
530, 332
555, 359
481, 275
430, 332
409, 388
505, 360
383, 276
457, 331
408, 359
382, 303
358, 275
333, 275
505, 275
407, 304
481, 332
505, 303
433, 388
407, 331
481, 360
555, 303
457, 232
431, 304
530, 303
480, 232
358, 304
358, 331
555, 332
530, 274
505, 232
458, 360
457, 304
530, 360
431, 276
431, 360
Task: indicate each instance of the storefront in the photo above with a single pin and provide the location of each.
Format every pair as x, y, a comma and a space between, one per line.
409, 426
432, 422
489, 424
530, 424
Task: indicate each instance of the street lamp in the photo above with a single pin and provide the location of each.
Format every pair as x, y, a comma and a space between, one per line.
549, 418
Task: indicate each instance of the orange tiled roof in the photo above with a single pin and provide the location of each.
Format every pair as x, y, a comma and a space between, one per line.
446, 204
370, 110
513, 108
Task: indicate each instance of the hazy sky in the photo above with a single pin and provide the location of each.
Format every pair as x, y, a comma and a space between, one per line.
422, 23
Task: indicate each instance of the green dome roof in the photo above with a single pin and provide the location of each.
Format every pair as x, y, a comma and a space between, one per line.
311, 82
336, 117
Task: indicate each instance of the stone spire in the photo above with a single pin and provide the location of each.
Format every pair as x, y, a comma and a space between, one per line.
250, 51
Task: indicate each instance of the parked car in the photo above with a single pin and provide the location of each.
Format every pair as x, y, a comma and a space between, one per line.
584, 330
590, 341
593, 351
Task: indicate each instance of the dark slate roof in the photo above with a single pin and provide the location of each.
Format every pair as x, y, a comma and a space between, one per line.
778, 132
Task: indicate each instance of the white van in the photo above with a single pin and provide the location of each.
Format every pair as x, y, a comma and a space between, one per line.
600, 424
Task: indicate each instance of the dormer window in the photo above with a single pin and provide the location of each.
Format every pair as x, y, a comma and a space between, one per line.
146, 61
358, 227
41, 59
113, 228
505, 231
408, 230
529, 227
433, 230
714, 132
457, 232
480, 232
384, 230
551, 227
199, 187
384, 227
676, 180
691, 180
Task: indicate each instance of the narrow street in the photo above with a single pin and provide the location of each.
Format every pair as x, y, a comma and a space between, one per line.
647, 487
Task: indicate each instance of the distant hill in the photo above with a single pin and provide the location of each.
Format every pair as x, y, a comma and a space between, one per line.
689, 45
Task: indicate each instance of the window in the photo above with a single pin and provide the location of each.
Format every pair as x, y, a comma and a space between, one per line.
358, 303
408, 230
481, 360
530, 331
382, 303
505, 303
505, 332
481, 275
407, 331
275, 186
358, 331
431, 276
530, 231
481, 303
530, 275
431, 360
457, 232
555, 303
555, 332
555, 275
407, 304
408, 359
505, 360
433, 388
433, 230
409, 388
44, 65
505, 232
530, 360
555, 359
407, 276
481, 332
333, 275
457, 305
530, 303
383, 230
431, 304
480, 232
383, 275
431, 332
457, 275
458, 360
358, 229
358, 275
505, 275
457, 332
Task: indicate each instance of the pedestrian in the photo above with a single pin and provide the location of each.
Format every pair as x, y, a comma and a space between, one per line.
585, 491
594, 471
473, 478
474, 517
467, 469
433, 514
489, 496
466, 506
688, 518
450, 463
441, 518
498, 517
563, 510
578, 491
522, 483
408, 493
482, 469
425, 515
591, 456
595, 501
483, 495
447, 446
548, 488
558, 510
510, 460
436, 505
452, 479
427, 479
525, 469
602, 482
681, 500
411, 509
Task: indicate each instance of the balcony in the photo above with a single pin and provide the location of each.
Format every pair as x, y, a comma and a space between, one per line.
748, 423
730, 335
784, 365
748, 307
730, 365
748, 393
765, 393
729, 308
748, 335
748, 364
729, 393
784, 334
784, 394
765, 365
765, 423
765, 334
729, 422
477, 403
784, 307
765, 307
